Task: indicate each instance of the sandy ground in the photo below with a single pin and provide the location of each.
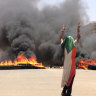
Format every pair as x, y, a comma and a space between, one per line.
44, 82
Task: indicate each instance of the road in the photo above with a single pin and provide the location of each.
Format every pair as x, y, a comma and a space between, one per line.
44, 82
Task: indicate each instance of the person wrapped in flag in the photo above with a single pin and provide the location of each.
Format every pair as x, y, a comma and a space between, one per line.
69, 69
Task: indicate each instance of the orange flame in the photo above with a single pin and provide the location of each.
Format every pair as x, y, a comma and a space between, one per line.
21, 59
84, 63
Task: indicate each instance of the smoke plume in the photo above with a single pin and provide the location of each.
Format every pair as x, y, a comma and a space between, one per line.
26, 29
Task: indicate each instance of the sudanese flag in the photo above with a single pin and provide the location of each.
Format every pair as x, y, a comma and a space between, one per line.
69, 68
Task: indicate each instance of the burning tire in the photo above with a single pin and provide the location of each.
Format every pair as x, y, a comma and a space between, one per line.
92, 67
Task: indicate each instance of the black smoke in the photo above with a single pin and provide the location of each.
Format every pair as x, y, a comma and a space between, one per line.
26, 29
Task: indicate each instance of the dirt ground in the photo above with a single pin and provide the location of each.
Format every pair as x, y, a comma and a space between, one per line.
44, 82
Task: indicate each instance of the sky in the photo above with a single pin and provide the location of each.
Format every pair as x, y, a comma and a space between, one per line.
89, 4
91, 11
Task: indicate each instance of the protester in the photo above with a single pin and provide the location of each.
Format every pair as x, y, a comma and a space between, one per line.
69, 46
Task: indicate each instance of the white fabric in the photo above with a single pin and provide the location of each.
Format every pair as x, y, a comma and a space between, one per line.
66, 68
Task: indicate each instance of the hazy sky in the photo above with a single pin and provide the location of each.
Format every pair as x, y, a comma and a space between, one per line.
89, 4
91, 9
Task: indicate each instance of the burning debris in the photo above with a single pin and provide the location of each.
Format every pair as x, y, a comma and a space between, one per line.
21, 62
87, 64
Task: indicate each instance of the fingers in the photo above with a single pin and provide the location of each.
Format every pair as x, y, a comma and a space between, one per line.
79, 25
78, 22
63, 27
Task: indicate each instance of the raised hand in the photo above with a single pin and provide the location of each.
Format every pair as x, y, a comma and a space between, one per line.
63, 27
78, 31
61, 35
78, 26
